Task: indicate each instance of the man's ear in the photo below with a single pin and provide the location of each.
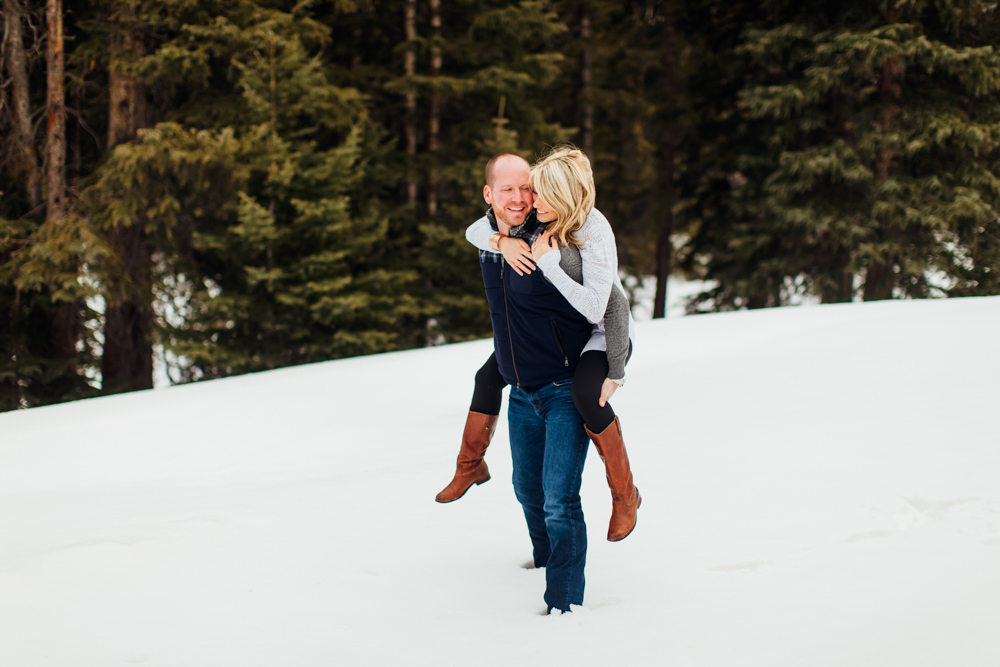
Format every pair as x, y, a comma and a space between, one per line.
487, 195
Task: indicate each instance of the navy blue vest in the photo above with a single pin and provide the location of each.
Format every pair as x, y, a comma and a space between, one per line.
538, 336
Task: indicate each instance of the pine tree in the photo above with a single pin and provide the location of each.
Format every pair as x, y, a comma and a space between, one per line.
297, 272
127, 359
498, 63
625, 86
47, 353
252, 185
21, 141
881, 140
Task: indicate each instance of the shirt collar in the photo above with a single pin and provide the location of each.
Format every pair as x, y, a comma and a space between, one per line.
528, 229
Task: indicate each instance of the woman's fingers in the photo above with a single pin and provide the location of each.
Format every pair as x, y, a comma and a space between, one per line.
518, 255
607, 390
542, 244
526, 256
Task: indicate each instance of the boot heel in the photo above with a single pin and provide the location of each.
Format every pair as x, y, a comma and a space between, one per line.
476, 438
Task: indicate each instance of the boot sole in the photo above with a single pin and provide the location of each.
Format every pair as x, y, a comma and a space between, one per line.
482, 481
634, 524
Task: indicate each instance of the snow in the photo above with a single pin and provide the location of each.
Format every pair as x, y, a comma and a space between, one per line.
679, 291
820, 487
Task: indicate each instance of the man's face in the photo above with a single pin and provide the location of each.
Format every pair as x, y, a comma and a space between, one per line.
510, 195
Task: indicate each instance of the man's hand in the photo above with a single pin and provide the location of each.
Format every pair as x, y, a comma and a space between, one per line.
607, 390
517, 253
542, 245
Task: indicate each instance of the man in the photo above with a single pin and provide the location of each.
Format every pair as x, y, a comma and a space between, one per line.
538, 339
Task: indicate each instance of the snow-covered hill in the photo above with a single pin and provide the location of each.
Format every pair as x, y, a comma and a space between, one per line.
821, 488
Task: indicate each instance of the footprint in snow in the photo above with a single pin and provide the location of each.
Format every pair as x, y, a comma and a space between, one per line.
746, 566
603, 602
936, 509
912, 512
869, 535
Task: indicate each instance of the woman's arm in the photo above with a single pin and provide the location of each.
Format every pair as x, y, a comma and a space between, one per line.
479, 233
600, 267
616, 320
516, 251
616, 343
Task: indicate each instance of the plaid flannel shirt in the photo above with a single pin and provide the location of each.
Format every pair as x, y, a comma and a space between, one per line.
527, 230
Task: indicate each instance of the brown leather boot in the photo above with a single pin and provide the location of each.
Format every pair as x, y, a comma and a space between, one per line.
625, 498
471, 466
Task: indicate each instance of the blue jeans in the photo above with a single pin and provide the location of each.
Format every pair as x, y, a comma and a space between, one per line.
548, 446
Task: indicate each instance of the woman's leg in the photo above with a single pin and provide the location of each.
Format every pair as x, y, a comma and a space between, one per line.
488, 392
605, 431
591, 371
479, 427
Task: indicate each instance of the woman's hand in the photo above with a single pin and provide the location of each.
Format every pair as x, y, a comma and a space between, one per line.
517, 253
607, 390
542, 245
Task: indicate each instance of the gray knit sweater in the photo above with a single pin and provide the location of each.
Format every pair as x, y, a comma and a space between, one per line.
616, 316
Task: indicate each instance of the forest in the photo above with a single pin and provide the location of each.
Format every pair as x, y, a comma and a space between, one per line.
230, 186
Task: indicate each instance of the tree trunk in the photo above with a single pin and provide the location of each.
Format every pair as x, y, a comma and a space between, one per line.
879, 281
65, 319
11, 391
20, 98
410, 124
586, 77
127, 108
757, 300
434, 120
73, 158
127, 363
840, 289
880, 277
55, 136
664, 246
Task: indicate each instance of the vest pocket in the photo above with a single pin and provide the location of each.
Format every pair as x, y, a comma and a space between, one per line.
559, 342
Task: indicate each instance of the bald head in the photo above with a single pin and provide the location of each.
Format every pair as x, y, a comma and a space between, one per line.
500, 161
507, 189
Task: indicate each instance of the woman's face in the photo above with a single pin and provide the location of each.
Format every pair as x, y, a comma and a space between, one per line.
542, 211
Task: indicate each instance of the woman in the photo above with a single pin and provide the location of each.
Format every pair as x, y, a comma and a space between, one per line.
577, 254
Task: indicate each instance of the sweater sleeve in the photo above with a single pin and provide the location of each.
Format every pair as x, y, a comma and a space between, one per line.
479, 233
616, 333
600, 265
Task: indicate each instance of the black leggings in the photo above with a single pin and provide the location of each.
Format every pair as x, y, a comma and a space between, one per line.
591, 371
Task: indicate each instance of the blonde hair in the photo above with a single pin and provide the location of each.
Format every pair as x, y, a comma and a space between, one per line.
565, 181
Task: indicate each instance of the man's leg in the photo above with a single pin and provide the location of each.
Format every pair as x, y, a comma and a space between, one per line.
527, 451
566, 445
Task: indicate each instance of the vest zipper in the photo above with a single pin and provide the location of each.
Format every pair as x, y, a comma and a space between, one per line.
560, 343
510, 337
